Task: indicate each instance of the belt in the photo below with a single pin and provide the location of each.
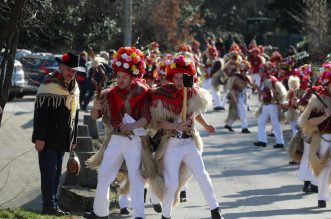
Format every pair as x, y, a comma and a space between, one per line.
183, 136
119, 132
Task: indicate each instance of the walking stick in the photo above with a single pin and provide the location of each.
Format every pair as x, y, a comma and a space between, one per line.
188, 82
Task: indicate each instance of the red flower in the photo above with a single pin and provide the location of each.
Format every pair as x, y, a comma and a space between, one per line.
65, 57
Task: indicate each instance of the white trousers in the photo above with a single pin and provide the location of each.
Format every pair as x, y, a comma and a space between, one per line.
270, 111
294, 126
185, 150
323, 178
241, 108
305, 173
256, 79
124, 201
207, 84
120, 148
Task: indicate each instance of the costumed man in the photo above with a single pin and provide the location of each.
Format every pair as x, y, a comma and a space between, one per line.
299, 147
292, 113
162, 74
180, 146
256, 60
237, 84
125, 111
151, 71
272, 96
55, 126
212, 78
315, 122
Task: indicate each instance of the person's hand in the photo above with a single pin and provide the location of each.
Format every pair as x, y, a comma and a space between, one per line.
73, 146
210, 128
128, 127
39, 145
294, 101
328, 111
182, 126
97, 104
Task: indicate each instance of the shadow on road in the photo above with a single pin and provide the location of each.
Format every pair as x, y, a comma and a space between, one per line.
275, 212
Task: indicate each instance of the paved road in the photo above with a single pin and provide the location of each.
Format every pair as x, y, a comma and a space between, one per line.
249, 182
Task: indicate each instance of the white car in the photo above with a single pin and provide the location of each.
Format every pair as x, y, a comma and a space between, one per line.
19, 87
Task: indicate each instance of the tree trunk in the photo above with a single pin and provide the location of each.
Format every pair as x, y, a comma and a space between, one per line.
10, 45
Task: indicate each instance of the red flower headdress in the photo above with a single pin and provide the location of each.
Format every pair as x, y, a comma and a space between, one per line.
129, 60
180, 64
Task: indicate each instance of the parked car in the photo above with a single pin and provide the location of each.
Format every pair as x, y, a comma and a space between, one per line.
38, 65
19, 86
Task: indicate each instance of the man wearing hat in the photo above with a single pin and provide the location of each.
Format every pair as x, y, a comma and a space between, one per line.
180, 148
55, 126
316, 125
256, 60
124, 109
272, 96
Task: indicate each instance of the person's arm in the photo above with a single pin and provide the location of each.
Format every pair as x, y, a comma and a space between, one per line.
144, 114
181, 126
40, 123
319, 119
96, 109
209, 128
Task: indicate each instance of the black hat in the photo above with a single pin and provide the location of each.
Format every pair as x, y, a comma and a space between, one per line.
72, 61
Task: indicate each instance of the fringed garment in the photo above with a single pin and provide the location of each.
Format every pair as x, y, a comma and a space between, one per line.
148, 164
318, 163
167, 105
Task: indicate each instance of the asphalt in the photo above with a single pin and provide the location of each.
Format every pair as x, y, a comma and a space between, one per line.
249, 181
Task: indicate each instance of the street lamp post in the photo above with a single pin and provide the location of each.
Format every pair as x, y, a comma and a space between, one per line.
127, 22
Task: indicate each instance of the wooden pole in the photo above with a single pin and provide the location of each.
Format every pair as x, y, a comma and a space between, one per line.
184, 105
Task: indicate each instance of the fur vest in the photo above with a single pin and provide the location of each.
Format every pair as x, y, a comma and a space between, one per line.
317, 163
197, 103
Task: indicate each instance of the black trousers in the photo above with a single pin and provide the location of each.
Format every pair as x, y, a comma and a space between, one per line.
50, 165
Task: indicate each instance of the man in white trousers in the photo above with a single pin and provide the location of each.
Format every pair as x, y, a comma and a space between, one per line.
315, 122
125, 109
213, 67
272, 96
180, 142
237, 84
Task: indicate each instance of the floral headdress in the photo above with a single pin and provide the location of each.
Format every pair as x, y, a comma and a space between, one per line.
326, 73
276, 57
184, 48
180, 64
151, 67
129, 60
162, 68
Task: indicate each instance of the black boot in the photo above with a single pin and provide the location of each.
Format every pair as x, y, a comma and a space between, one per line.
125, 211
245, 130
92, 215
157, 208
279, 145
260, 144
229, 128
182, 196
313, 188
216, 213
306, 187
321, 204
163, 217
